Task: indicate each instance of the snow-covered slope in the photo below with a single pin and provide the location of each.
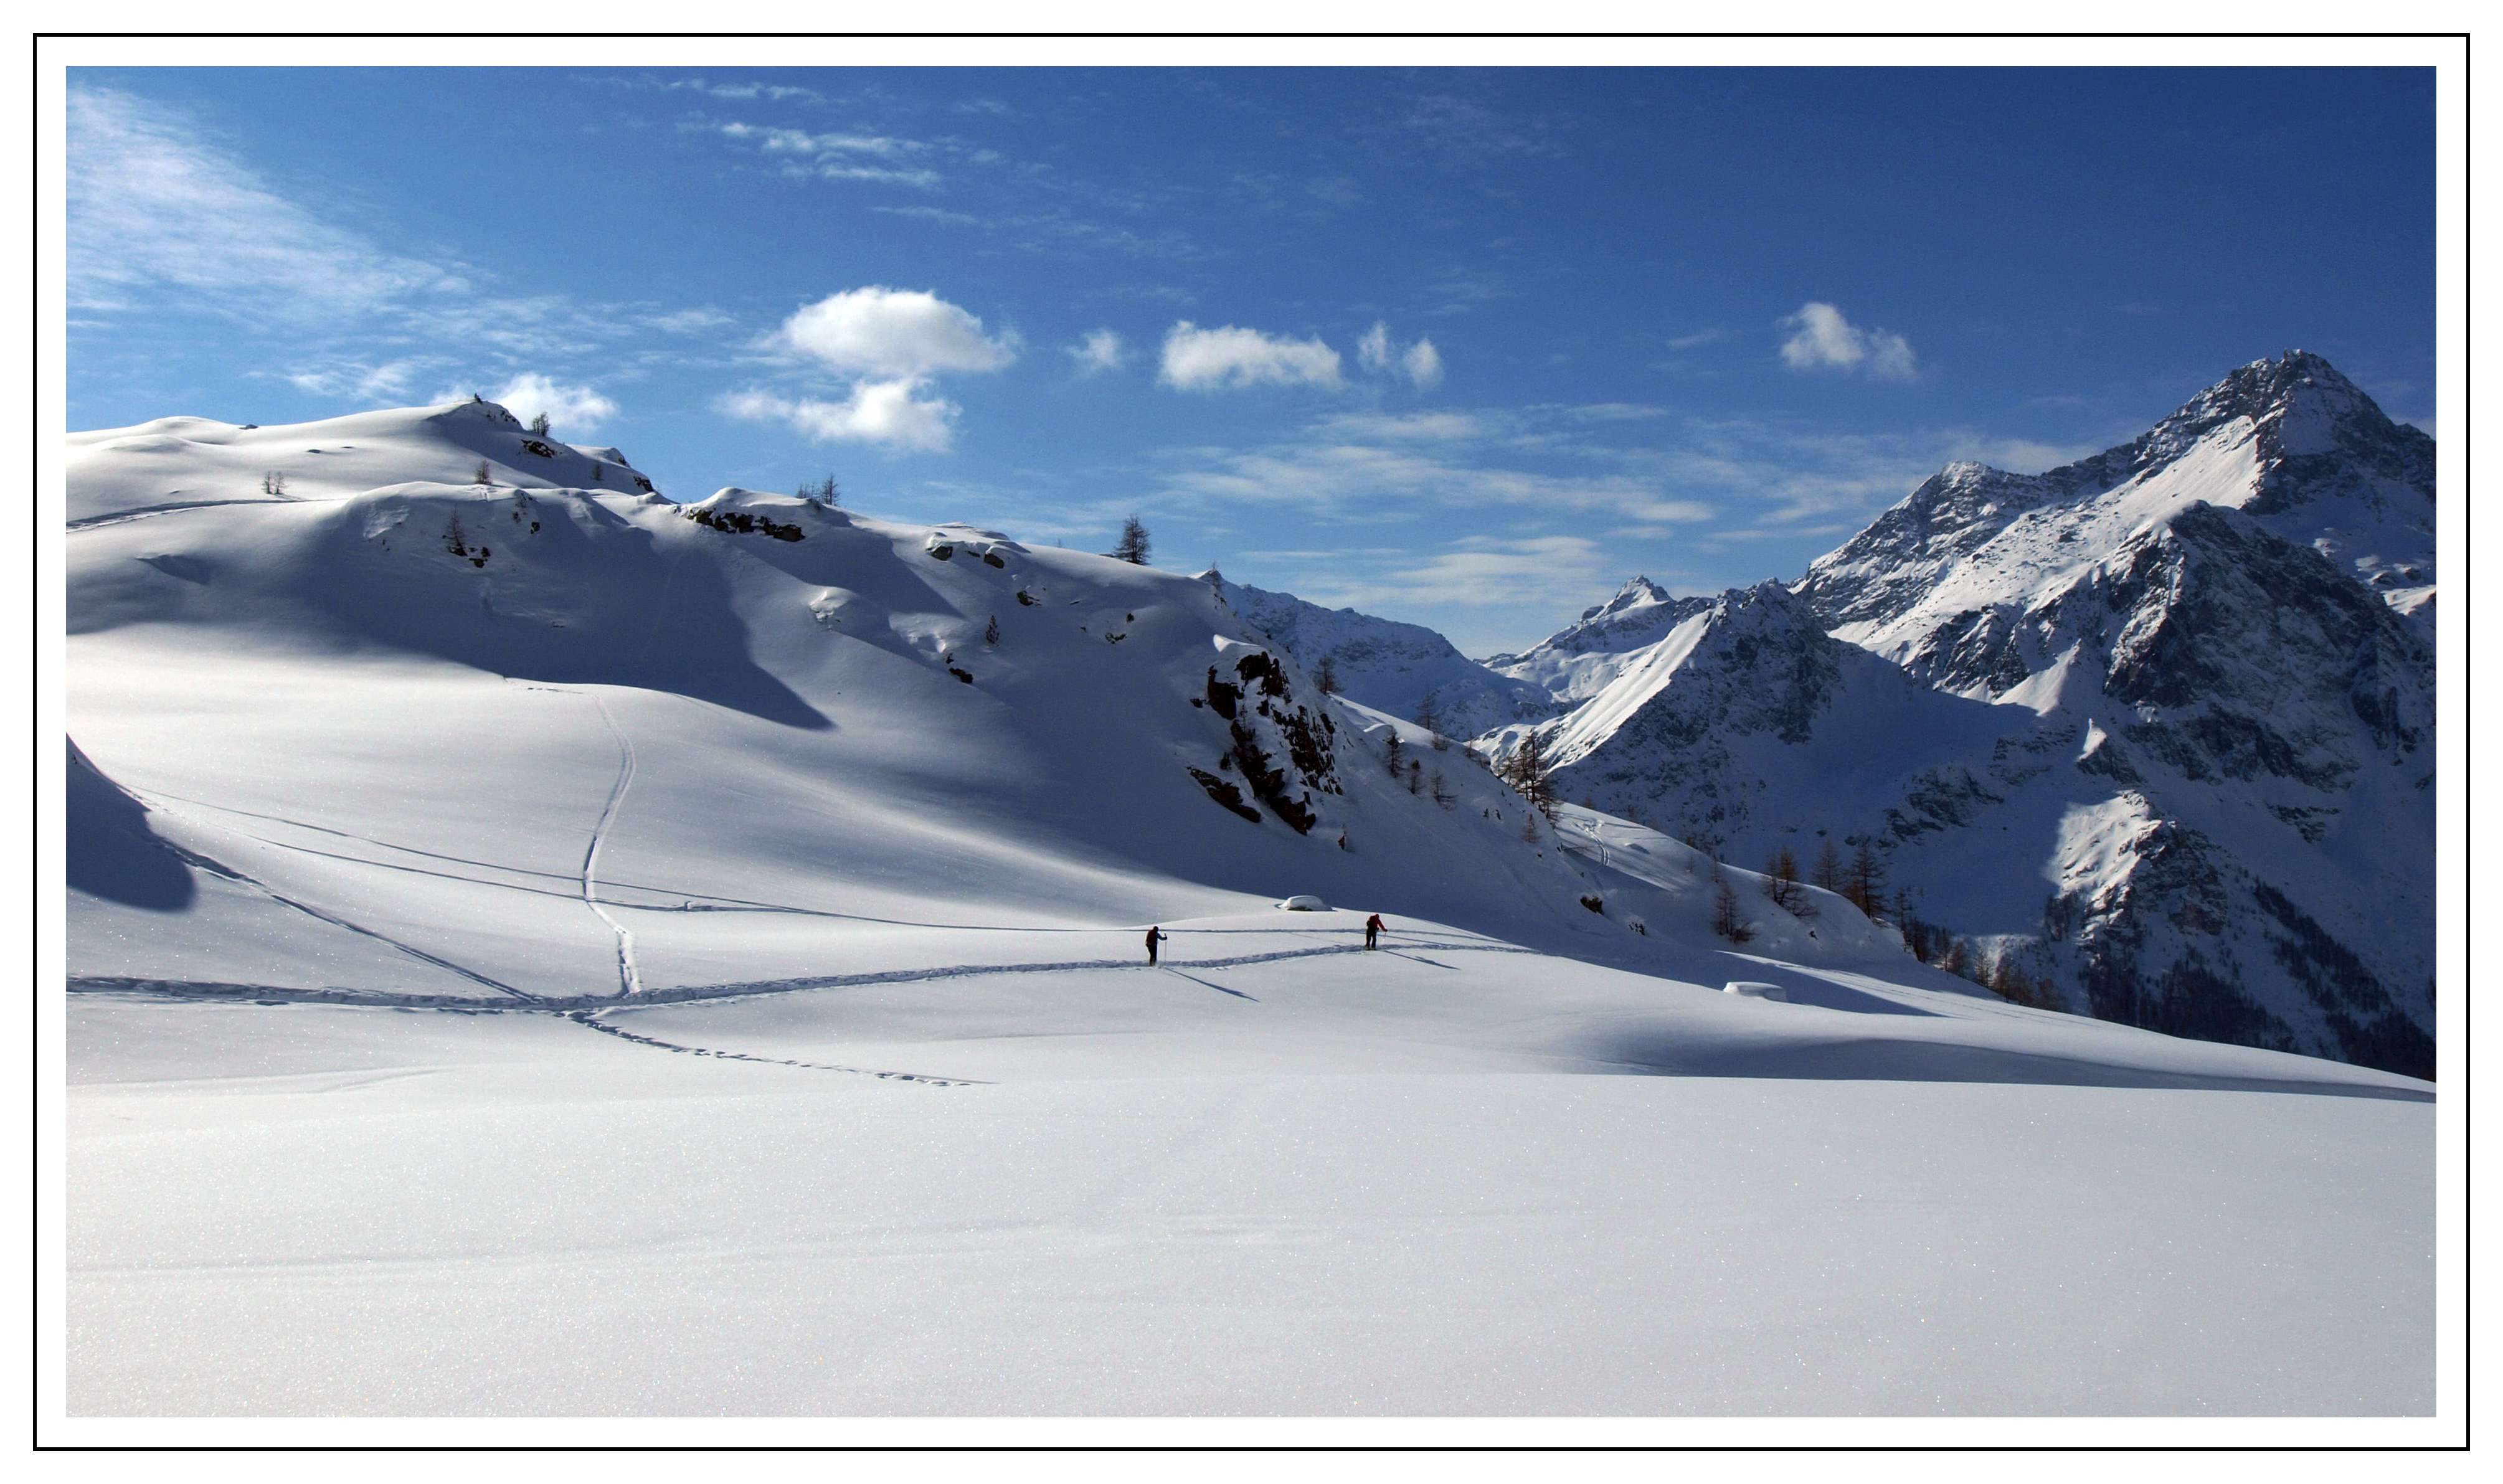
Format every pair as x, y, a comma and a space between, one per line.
185, 463
2157, 724
1443, 1179
543, 947
1387, 664
1579, 660
548, 744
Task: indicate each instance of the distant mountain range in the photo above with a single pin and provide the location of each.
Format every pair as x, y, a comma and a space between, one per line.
2156, 726
2150, 736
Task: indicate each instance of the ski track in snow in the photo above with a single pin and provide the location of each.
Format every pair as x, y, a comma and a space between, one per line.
216, 867
585, 1010
590, 1018
100, 983
413, 951
116, 517
219, 868
630, 977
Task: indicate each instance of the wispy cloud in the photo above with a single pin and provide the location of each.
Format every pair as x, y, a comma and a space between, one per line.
1460, 291
1787, 479
939, 214
1099, 352
164, 222
1408, 428
1374, 467
363, 381
789, 141
835, 155
1056, 230
1419, 362
1462, 131
1231, 357
1821, 338
154, 206
689, 322
1477, 571
733, 93
1644, 470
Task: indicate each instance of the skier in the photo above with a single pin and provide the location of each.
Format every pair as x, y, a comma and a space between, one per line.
1156, 935
1372, 929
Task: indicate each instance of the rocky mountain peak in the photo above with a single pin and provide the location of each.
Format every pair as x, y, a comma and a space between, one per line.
1579, 658
1638, 592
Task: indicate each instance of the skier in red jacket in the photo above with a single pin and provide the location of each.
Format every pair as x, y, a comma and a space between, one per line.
1156, 935
1372, 929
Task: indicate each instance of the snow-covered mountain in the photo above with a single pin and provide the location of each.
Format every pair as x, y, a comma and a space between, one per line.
1384, 664
2159, 723
1943, 581
536, 946
1579, 660
1725, 733
301, 708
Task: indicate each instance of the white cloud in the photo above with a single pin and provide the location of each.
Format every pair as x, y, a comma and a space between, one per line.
784, 141
1821, 339
1420, 362
1100, 351
895, 334
892, 414
1206, 360
570, 409
1373, 351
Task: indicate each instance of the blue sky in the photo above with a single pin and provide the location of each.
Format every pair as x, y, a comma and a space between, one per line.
1462, 347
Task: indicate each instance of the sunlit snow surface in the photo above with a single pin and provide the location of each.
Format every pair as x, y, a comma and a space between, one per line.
633, 973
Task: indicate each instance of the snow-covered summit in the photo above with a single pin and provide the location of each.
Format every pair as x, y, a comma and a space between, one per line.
2289, 441
1578, 661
